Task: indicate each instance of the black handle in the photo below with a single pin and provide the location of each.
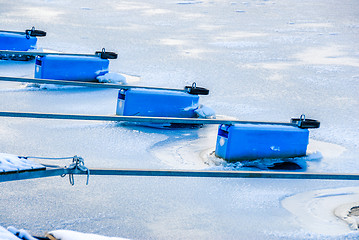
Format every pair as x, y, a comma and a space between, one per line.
35, 33
303, 122
106, 55
196, 90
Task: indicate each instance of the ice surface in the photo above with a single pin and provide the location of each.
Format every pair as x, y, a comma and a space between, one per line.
261, 60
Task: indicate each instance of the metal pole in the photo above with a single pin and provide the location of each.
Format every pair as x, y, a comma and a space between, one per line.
22, 175
17, 32
134, 118
223, 174
83, 84
31, 53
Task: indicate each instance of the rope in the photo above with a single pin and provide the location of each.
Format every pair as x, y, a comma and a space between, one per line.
77, 163
46, 158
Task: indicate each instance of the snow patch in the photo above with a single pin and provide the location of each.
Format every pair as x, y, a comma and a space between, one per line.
5, 234
37, 86
327, 55
298, 163
235, 35
72, 235
189, 2
112, 77
22, 234
314, 210
238, 44
205, 112
9, 162
187, 149
349, 213
328, 150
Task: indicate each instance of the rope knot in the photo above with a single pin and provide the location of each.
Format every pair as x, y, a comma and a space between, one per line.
78, 163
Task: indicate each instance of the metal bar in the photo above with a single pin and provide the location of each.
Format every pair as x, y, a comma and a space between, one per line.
31, 53
82, 84
134, 118
17, 32
223, 174
4, 177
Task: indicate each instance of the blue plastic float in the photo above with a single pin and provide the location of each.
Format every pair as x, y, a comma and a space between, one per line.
16, 42
156, 103
19, 41
247, 142
75, 68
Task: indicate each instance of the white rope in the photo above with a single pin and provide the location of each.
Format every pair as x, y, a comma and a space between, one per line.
79, 164
46, 158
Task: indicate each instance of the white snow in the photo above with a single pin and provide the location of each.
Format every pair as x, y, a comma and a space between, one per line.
13, 233
72, 235
112, 77
205, 112
5, 234
21, 233
9, 162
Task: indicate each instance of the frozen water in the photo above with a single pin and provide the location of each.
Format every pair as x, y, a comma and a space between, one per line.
262, 60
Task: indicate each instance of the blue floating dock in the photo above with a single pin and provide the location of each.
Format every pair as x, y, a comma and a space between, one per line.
248, 142
16, 42
75, 68
156, 103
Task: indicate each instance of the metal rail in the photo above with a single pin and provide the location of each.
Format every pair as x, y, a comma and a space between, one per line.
224, 174
33, 53
17, 32
83, 84
4, 177
116, 118
28, 32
